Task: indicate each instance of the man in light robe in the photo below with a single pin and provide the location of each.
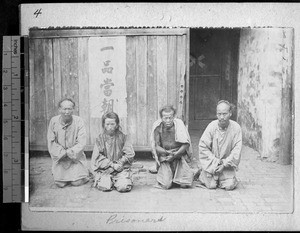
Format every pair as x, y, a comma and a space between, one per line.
171, 147
66, 141
112, 157
220, 150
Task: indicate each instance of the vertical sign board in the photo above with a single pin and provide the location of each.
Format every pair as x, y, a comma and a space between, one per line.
107, 77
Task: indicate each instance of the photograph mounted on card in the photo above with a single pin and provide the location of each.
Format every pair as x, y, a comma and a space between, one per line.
133, 59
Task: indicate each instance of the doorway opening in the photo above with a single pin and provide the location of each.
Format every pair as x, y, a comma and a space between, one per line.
213, 74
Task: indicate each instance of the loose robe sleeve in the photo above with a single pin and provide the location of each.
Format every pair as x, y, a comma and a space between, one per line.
56, 150
208, 160
128, 152
233, 159
75, 152
99, 160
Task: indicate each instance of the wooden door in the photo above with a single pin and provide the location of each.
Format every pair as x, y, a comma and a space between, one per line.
213, 68
155, 72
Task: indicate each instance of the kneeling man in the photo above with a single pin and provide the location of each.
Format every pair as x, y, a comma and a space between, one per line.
112, 157
171, 147
66, 141
220, 150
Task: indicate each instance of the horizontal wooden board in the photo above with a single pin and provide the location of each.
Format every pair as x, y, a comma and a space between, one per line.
57, 33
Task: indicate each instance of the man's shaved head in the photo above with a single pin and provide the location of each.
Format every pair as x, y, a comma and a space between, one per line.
224, 112
223, 104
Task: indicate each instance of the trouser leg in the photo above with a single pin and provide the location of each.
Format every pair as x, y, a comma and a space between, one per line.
80, 182
153, 169
208, 180
103, 182
183, 174
165, 175
123, 181
227, 179
228, 184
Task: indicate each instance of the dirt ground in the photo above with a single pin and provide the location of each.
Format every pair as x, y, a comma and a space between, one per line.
264, 187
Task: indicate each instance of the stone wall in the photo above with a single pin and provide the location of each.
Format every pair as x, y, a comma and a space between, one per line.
264, 91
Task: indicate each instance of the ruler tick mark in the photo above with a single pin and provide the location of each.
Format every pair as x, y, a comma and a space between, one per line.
13, 71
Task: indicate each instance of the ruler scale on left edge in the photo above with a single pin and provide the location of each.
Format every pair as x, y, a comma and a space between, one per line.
12, 92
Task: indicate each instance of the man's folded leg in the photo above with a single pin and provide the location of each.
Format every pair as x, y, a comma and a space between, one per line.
164, 175
80, 182
123, 181
61, 184
208, 180
228, 184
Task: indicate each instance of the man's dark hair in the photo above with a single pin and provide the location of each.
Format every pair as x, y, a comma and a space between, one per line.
66, 99
111, 115
167, 108
231, 106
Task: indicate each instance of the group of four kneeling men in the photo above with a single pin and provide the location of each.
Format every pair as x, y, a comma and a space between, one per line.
219, 151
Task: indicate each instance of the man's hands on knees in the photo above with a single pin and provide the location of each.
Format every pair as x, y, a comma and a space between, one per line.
171, 155
70, 154
108, 171
220, 167
117, 167
169, 158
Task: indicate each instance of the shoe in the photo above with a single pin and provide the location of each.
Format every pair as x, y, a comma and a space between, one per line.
153, 169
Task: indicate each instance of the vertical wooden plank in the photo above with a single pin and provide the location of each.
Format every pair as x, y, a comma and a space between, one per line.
95, 128
83, 85
181, 60
187, 77
191, 99
152, 110
234, 70
141, 71
39, 94
56, 72
64, 67
32, 137
172, 71
49, 85
69, 69
162, 49
95, 121
131, 86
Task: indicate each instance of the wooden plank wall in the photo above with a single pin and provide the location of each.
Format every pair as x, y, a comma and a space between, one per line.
60, 69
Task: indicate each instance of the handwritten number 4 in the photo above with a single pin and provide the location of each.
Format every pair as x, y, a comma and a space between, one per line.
38, 12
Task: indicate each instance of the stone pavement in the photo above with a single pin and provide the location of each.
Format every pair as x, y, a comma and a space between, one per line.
264, 188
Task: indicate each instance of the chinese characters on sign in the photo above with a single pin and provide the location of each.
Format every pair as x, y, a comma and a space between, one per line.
107, 76
107, 70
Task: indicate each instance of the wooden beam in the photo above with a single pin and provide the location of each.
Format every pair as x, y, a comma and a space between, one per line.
84, 32
187, 84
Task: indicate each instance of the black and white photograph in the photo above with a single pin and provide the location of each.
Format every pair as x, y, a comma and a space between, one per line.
139, 123
216, 100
